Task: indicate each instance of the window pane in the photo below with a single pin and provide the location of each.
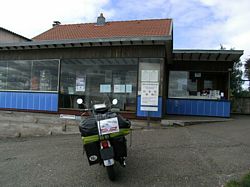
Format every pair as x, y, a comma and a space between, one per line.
19, 75
197, 85
45, 75
178, 81
3, 75
88, 78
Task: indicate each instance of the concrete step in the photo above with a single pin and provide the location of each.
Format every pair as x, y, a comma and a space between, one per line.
186, 122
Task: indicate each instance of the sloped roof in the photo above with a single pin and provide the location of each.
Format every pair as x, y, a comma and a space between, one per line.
13, 33
114, 29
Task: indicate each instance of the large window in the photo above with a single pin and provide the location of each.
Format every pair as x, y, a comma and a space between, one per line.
29, 75
87, 78
198, 85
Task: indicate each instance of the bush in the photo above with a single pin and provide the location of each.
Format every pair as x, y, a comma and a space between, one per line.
244, 182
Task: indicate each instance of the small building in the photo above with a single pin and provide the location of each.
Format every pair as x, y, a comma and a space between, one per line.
7, 36
132, 61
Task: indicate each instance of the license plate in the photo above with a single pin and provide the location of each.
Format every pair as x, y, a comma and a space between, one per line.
107, 153
108, 126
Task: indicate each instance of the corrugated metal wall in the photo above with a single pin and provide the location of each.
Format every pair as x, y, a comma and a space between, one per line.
29, 101
198, 107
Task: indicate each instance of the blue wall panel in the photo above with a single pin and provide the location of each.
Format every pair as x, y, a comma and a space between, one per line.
30, 104
42, 104
2, 101
29, 101
25, 100
54, 99
141, 113
19, 98
198, 107
7, 100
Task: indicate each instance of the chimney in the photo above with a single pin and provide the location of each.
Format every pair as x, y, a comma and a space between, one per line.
100, 20
56, 23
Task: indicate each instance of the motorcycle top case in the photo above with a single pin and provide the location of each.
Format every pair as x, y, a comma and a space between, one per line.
88, 126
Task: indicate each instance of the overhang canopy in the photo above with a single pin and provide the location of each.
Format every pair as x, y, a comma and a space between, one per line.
116, 41
207, 55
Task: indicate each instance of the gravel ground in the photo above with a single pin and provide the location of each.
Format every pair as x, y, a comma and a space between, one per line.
198, 155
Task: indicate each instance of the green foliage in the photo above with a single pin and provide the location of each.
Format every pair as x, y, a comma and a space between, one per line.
236, 78
233, 183
247, 70
244, 182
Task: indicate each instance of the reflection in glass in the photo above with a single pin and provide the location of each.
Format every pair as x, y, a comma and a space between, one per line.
115, 78
29, 75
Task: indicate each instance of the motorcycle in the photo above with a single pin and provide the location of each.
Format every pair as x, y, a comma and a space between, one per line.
103, 135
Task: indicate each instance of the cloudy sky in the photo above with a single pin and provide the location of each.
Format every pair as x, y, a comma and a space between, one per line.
198, 24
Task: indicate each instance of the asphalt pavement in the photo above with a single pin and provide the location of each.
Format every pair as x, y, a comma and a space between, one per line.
198, 155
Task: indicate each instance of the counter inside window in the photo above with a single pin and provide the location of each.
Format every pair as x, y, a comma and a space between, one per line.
197, 85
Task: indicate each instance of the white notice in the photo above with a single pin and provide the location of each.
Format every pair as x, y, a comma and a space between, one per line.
149, 75
145, 75
80, 84
154, 76
149, 93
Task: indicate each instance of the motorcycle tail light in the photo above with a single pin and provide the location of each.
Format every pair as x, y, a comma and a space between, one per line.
105, 144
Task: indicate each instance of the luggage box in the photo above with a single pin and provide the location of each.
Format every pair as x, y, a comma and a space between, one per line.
93, 152
120, 146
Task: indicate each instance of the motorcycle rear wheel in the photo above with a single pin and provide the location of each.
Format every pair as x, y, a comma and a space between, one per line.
111, 172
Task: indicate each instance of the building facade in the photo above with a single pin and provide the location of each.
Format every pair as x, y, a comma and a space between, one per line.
132, 61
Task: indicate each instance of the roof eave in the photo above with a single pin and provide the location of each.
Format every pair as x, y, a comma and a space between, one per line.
86, 42
207, 55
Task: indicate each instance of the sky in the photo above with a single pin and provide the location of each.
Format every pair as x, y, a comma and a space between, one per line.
198, 24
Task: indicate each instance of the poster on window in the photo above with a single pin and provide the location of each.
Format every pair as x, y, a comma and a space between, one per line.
149, 94
80, 84
119, 88
105, 88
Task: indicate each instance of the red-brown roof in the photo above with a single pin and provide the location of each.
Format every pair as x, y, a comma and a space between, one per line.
136, 28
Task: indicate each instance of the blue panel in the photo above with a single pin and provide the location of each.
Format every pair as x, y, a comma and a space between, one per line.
168, 105
201, 107
54, 102
220, 109
31, 101
181, 107
42, 104
176, 106
151, 114
30, 104
194, 108
13, 99
2, 99
47, 102
207, 110
36, 101
19, 99
213, 109
25, 101
188, 107
227, 106
8, 100
198, 107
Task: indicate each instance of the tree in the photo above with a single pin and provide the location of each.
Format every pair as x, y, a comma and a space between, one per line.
247, 71
236, 78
